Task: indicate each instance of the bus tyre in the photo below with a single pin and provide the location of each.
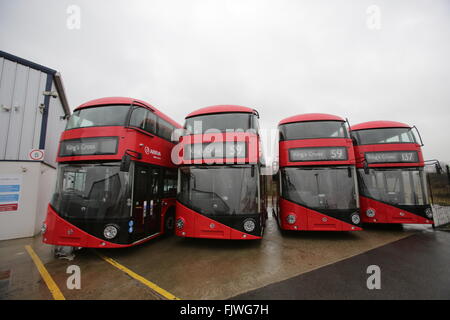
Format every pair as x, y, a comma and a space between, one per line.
169, 223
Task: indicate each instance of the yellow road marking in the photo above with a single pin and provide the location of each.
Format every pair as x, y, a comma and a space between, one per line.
57, 294
139, 278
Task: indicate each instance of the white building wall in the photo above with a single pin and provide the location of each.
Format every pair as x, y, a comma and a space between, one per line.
47, 180
37, 185
22, 99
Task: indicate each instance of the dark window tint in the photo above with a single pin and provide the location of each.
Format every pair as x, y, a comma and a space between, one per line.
384, 135
113, 115
313, 130
95, 191
220, 190
325, 188
143, 119
220, 121
165, 129
395, 186
170, 183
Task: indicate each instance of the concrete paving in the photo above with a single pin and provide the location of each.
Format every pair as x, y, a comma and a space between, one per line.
189, 268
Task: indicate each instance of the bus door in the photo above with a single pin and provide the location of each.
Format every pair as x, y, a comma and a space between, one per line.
146, 201
154, 194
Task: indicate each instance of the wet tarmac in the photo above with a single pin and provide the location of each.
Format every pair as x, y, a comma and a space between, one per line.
414, 268
200, 268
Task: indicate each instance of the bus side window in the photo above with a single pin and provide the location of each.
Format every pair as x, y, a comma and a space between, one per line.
255, 124
170, 183
164, 129
138, 117
150, 123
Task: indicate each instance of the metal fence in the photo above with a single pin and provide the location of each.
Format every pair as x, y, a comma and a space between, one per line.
439, 186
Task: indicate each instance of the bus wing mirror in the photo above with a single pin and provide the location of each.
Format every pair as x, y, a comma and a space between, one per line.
438, 168
125, 163
366, 167
418, 133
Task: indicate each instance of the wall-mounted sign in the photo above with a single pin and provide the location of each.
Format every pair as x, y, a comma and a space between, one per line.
10, 187
36, 154
392, 157
318, 154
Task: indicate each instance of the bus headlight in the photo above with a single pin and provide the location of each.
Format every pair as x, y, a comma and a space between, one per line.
110, 232
370, 213
180, 223
249, 225
291, 218
355, 218
44, 228
429, 213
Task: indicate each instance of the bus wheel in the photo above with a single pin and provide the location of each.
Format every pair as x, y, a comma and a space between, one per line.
169, 223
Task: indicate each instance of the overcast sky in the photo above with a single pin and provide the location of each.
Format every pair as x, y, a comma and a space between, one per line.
365, 60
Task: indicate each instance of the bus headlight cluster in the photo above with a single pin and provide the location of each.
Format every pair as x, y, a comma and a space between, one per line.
180, 223
370, 213
291, 218
44, 228
249, 225
355, 218
429, 213
110, 232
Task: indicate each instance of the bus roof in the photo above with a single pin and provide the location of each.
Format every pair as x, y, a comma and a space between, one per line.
378, 125
127, 101
311, 117
221, 109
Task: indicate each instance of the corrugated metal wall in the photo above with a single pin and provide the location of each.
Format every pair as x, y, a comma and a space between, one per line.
55, 126
21, 112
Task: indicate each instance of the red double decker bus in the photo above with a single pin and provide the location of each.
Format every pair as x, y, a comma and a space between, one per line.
116, 183
391, 175
316, 182
221, 192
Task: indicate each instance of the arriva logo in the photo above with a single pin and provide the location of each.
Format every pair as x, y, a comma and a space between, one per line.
149, 151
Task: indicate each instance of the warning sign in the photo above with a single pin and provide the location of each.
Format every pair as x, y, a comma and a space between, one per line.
36, 155
10, 187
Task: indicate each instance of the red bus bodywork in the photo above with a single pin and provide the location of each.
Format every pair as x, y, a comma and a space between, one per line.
190, 222
300, 215
146, 149
374, 210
